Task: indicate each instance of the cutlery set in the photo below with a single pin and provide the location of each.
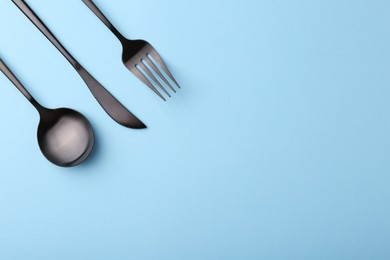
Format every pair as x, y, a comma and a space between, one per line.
65, 136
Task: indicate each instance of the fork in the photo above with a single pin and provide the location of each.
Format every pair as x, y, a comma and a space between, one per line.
139, 57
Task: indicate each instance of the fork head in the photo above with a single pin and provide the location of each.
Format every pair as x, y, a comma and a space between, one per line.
144, 62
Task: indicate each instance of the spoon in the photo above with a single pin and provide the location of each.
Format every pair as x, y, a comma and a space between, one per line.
65, 136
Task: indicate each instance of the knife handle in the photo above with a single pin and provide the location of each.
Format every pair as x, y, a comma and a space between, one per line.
21, 4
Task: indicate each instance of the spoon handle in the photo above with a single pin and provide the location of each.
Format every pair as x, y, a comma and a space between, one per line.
7, 72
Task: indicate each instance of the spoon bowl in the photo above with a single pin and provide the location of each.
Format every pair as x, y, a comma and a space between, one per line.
65, 136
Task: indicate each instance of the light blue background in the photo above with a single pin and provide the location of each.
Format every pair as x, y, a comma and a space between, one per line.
277, 147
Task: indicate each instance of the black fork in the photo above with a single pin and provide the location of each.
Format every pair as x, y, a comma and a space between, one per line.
140, 58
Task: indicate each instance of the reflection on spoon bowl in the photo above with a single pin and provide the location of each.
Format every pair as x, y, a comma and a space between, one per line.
65, 136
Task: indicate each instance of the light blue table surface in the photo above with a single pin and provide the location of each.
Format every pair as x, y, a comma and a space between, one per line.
277, 146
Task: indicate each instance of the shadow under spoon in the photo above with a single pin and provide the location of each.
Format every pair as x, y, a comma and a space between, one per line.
65, 136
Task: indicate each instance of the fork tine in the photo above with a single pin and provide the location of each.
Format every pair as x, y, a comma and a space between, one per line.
151, 64
150, 74
139, 75
160, 62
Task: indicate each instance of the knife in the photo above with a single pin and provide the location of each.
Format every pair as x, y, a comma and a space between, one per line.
107, 101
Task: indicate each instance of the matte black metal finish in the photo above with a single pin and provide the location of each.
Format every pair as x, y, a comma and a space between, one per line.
65, 136
108, 102
139, 57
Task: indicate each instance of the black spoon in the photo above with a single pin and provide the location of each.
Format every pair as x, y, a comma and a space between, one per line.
65, 136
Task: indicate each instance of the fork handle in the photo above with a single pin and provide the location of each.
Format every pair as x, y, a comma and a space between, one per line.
91, 5
21, 4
